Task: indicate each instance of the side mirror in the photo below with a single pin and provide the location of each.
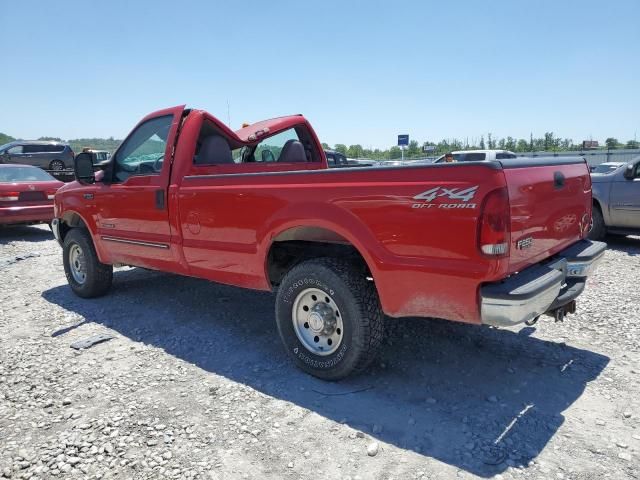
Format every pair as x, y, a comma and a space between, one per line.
267, 156
83, 168
629, 172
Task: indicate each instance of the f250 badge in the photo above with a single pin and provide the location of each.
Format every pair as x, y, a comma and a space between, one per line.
464, 195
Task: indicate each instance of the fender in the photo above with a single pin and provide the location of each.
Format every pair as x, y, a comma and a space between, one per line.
328, 217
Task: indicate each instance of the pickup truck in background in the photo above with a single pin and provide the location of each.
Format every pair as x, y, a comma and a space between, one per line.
478, 156
488, 242
338, 160
616, 199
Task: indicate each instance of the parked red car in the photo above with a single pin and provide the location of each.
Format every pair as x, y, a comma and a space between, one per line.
474, 242
26, 195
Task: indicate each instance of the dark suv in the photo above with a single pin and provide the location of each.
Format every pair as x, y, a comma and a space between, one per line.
43, 154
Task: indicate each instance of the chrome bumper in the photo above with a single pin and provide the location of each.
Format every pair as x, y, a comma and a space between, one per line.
536, 290
55, 228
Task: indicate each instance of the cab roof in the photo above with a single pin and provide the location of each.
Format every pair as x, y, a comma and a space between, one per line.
254, 131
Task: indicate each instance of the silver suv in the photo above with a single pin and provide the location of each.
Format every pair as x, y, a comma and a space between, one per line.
43, 154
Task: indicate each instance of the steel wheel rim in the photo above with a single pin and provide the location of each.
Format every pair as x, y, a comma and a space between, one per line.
317, 321
57, 165
77, 264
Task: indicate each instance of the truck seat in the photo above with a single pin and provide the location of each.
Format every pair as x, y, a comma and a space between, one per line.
214, 149
292, 151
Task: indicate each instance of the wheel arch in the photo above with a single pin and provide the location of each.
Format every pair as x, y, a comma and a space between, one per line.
72, 219
293, 244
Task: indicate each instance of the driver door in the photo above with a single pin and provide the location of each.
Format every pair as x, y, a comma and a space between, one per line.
625, 200
131, 206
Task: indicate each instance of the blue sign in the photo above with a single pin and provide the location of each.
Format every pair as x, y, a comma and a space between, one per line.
403, 140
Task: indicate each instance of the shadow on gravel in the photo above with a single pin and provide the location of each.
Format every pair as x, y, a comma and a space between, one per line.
23, 233
476, 398
629, 245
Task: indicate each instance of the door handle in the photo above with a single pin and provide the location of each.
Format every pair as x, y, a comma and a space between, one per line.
160, 199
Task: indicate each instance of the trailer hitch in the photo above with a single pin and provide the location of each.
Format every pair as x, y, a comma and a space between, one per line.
559, 313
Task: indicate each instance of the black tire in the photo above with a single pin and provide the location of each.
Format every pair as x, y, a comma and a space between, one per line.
598, 228
355, 297
98, 276
57, 165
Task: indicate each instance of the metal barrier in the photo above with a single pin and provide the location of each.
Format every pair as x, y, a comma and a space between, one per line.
593, 157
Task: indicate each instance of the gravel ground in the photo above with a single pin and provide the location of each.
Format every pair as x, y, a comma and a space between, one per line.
195, 384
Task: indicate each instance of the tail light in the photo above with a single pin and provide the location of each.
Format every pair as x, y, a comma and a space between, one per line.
494, 233
9, 196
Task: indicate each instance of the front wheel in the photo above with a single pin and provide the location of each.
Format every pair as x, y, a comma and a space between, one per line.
598, 228
87, 276
329, 318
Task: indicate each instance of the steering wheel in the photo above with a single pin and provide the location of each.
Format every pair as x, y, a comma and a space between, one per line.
157, 164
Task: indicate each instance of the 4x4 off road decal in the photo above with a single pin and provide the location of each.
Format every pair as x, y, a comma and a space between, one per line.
464, 195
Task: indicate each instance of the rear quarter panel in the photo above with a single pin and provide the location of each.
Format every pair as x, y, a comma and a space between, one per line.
424, 260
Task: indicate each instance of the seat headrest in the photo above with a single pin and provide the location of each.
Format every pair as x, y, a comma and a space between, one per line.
214, 149
292, 151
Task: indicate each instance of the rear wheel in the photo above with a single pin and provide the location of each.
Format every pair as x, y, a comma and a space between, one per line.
56, 165
598, 228
87, 276
329, 318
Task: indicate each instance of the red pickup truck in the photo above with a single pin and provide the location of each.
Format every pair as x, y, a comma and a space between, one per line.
497, 243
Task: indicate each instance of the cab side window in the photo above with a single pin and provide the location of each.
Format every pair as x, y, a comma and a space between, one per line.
282, 147
143, 152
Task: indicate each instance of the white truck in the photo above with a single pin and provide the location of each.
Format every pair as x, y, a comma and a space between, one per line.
478, 155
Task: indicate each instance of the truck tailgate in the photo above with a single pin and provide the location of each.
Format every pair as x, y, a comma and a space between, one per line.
550, 202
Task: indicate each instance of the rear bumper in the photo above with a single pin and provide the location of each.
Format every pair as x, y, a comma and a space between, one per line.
541, 288
26, 214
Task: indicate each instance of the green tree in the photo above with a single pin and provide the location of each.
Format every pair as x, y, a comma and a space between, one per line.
4, 138
325, 146
632, 144
611, 143
355, 151
414, 149
340, 147
522, 145
394, 152
482, 146
51, 139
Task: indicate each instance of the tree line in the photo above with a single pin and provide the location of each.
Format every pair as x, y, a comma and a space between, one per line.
549, 142
77, 144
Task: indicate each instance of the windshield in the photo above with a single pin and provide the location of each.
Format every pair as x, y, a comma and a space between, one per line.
605, 168
24, 174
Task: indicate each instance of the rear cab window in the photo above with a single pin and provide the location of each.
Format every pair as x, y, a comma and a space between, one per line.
471, 157
289, 149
